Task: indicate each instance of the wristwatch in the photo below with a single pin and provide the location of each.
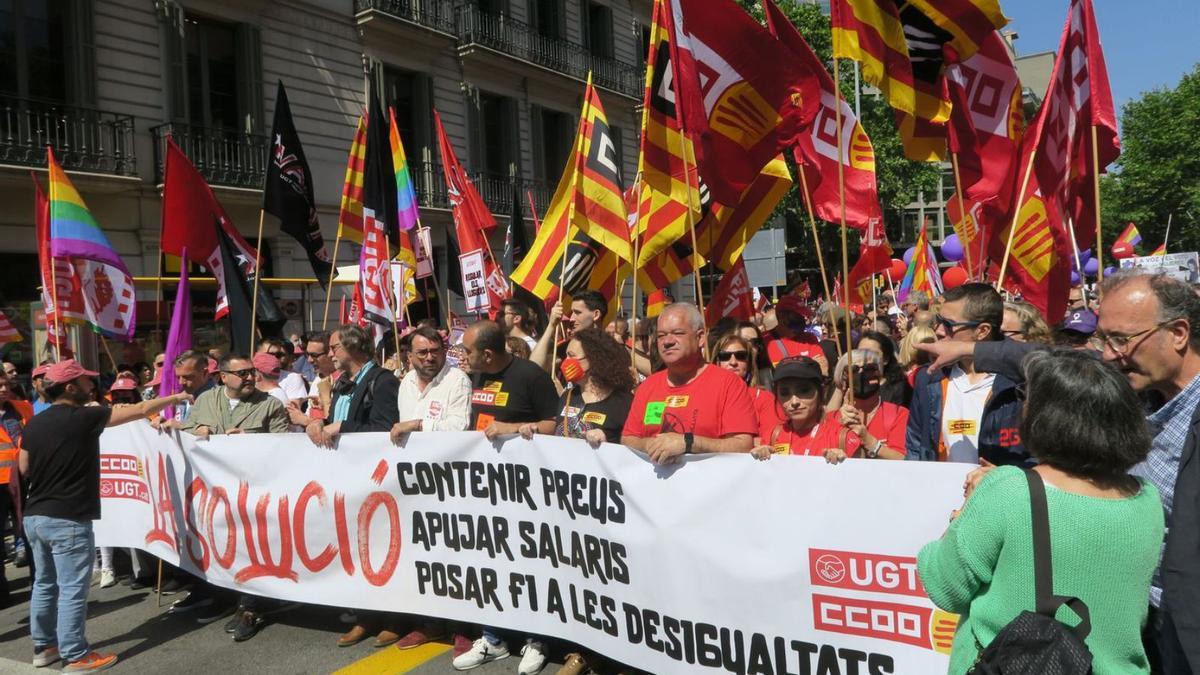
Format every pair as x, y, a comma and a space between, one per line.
688, 439
874, 452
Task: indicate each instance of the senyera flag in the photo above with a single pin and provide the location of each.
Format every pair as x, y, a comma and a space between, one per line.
350, 216
742, 97
599, 202
105, 284
816, 152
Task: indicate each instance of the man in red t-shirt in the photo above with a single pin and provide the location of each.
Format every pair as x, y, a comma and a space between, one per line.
789, 339
691, 406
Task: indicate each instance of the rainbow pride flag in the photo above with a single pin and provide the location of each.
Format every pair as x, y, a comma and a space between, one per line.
1130, 235
406, 195
74, 233
922, 271
1161, 250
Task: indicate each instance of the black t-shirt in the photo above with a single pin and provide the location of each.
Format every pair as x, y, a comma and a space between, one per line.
63, 443
607, 414
520, 393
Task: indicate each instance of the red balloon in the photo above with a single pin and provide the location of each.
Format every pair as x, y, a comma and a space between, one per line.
896, 272
1122, 250
954, 277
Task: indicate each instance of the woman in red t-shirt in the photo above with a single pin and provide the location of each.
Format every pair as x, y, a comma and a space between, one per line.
868, 427
738, 355
800, 396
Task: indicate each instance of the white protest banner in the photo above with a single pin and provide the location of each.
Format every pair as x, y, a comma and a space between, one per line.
474, 289
1182, 266
423, 245
718, 564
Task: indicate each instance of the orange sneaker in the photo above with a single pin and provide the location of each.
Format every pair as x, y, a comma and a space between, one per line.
91, 663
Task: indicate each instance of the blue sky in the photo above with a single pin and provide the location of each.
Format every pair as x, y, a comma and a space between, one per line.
1147, 44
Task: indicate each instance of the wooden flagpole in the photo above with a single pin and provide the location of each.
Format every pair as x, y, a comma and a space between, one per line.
1012, 230
842, 218
257, 273
1096, 193
812, 222
962, 214
337, 241
636, 301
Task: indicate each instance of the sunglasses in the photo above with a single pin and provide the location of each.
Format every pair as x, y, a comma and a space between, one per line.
740, 355
952, 326
243, 373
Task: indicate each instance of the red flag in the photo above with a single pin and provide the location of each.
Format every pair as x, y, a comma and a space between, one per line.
189, 210
816, 152
875, 256
733, 298
1077, 99
61, 281
742, 96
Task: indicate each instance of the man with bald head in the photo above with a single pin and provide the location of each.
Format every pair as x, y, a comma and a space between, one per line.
506, 391
690, 406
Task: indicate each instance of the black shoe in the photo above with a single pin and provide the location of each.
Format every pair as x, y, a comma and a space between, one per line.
138, 583
248, 626
21, 559
232, 624
214, 612
194, 600
171, 586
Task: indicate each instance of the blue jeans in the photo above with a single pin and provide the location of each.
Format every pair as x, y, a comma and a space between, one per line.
62, 552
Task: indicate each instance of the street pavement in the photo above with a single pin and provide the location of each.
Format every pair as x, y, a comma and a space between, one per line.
148, 640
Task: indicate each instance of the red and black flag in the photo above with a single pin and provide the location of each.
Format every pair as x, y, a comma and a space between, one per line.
237, 278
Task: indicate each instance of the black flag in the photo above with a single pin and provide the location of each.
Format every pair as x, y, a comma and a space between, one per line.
515, 241
288, 190
239, 285
379, 175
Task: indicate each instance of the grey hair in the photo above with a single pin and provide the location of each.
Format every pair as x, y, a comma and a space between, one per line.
695, 318
918, 298
860, 356
197, 359
1176, 299
355, 340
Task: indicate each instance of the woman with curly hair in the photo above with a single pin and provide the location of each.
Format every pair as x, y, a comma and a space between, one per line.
599, 389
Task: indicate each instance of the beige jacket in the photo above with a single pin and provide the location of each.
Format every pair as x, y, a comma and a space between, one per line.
258, 413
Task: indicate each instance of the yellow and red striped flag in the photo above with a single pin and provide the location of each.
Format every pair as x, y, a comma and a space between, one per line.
596, 186
970, 22
350, 220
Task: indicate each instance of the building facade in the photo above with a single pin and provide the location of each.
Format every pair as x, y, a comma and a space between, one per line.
104, 81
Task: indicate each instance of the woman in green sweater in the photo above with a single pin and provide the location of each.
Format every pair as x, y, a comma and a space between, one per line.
1084, 425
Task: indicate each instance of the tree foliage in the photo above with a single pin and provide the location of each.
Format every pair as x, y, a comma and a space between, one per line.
899, 179
1158, 173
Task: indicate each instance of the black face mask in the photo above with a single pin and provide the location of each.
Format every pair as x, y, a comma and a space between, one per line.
864, 387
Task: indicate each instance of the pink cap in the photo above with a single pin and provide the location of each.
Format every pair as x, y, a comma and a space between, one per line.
156, 380
212, 366
66, 371
40, 371
266, 364
297, 350
123, 384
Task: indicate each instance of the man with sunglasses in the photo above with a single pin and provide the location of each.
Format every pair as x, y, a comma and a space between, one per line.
959, 413
291, 382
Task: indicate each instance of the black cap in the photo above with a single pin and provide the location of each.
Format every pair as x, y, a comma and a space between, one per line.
799, 367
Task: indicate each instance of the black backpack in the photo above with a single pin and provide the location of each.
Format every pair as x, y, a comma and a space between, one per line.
1036, 642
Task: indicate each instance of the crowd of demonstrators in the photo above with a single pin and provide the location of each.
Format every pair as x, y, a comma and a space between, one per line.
938, 379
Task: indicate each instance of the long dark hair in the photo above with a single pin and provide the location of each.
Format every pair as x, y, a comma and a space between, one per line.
608, 360
891, 367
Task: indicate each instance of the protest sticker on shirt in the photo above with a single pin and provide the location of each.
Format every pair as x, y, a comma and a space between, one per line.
677, 401
593, 417
434, 411
485, 420
654, 412
964, 427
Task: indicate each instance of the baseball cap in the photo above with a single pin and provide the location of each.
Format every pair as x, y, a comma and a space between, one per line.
1081, 321
40, 371
66, 371
266, 364
799, 367
212, 366
123, 384
795, 305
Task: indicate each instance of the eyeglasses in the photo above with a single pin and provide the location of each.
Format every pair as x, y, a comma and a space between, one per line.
426, 353
334, 346
315, 355
1120, 343
243, 373
952, 326
740, 355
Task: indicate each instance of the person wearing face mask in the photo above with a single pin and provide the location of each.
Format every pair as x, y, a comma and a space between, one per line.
799, 389
868, 427
599, 390
737, 355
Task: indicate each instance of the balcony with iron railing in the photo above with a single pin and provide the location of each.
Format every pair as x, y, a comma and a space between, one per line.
224, 157
521, 41
83, 139
435, 14
497, 191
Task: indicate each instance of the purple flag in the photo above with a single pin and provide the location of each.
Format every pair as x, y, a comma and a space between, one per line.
179, 339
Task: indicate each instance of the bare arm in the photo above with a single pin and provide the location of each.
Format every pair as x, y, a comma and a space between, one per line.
543, 353
137, 411
733, 443
634, 442
23, 461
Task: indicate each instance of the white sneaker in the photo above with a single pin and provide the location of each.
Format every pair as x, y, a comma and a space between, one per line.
533, 658
481, 652
108, 578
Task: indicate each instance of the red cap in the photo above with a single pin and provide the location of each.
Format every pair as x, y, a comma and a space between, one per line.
123, 384
66, 371
212, 366
297, 350
266, 364
795, 305
41, 370
157, 380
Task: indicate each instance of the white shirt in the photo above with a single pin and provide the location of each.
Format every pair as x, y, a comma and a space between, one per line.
445, 405
962, 412
293, 385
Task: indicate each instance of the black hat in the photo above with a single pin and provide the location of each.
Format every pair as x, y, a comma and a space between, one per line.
799, 367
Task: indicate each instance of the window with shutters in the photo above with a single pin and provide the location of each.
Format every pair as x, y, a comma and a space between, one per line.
35, 49
496, 131
211, 74
549, 18
554, 134
598, 29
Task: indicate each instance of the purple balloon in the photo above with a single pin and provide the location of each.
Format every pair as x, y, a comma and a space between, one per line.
1091, 267
909, 254
952, 249
1074, 278
1085, 255
1110, 270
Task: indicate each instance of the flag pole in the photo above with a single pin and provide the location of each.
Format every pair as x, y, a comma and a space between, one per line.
635, 300
837, 108
57, 310
1096, 193
337, 241
158, 288
1012, 229
108, 352
962, 212
1167, 236
257, 273
812, 221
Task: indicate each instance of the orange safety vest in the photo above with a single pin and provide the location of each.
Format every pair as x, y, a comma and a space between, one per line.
8, 449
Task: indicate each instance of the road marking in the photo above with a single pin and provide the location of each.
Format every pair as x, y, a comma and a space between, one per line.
392, 661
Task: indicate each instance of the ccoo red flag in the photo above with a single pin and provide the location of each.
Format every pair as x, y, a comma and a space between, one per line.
875, 256
733, 297
742, 96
